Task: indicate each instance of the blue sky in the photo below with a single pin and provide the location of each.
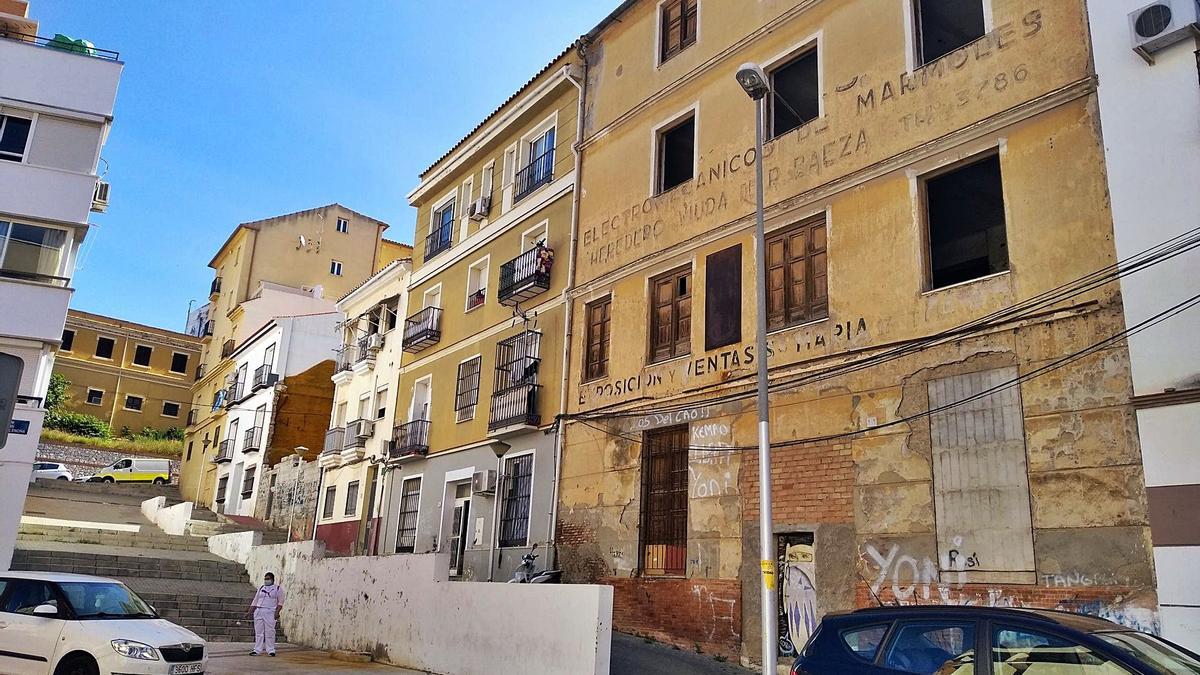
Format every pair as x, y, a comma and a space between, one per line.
233, 111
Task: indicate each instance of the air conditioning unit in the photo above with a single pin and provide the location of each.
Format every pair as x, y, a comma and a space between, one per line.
1163, 23
100, 197
479, 208
484, 482
375, 341
361, 429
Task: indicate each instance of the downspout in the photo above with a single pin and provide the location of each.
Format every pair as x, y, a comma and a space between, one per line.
568, 312
112, 415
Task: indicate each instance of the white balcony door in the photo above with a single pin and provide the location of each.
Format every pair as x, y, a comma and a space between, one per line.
420, 401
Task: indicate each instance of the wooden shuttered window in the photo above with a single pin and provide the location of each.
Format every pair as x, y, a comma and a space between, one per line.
678, 27
598, 316
671, 314
797, 283
664, 501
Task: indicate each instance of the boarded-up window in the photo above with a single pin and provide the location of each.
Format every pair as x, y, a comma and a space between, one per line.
967, 237
664, 501
597, 315
980, 480
466, 393
410, 497
678, 27
518, 490
671, 314
723, 298
797, 282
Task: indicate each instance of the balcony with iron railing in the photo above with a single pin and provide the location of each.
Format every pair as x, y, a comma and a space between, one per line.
410, 440
476, 299
191, 417
439, 239
252, 440
207, 330
234, 394
356, 434
423, 329
514, 404
227, 348
331, 453
539, 172
215, 288
224, 451
201, 369
526, 276
263, 377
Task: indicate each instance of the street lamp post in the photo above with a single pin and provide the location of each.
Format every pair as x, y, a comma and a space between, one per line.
754, 81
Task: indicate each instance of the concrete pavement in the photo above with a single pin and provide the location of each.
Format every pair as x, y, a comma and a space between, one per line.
631, 655
233, 658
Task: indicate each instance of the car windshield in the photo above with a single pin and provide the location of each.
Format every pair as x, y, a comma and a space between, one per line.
105, 600
1153, 652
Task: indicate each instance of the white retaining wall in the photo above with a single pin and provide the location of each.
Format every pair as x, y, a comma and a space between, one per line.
169, 519
235, 546
402, 610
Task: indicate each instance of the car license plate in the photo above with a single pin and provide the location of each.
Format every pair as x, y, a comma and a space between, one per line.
187, 668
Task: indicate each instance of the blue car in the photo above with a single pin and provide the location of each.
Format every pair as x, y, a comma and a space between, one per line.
940, 640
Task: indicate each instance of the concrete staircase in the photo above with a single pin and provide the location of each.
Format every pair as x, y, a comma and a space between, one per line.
175, 574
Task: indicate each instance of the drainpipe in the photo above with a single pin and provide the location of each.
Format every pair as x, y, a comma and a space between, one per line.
112, 415
568, 312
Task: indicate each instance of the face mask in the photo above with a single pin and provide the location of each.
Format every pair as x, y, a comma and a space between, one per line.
268, 582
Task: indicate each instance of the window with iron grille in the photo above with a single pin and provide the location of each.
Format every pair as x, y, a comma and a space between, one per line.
671, 314
330, 496
222, 488
678, 27
664, 501
351, 498
466, 392
797, 282
598, 316
248, 482
410, 498
518, 486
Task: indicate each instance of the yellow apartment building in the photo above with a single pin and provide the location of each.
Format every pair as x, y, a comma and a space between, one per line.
471, 463
949, 423
288, 265
353, 459
128, 374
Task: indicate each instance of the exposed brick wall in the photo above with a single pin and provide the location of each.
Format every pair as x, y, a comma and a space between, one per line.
810, 483
683, 612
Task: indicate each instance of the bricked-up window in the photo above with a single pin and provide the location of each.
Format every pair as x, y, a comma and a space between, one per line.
104, 347
965, 210
466, 392
141, 355
671, 314
723, 298
598, 315
179, 362
68, 340
678, 23
797, 282
664, 501
797, 93
981, 479
946, 25
410, 498
351, 498
330, 497
677, 154
518, 486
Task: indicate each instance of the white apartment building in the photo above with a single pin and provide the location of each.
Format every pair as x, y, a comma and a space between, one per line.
56, 108
270, 398
352, 506
1147, 56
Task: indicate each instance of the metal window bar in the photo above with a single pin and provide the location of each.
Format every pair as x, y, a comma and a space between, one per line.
262, 375
665, 501
440, 238
423, 328
251, 439
224, 451
227, 348
35, 276
410, 439
346, 357
209, 327
234, 395
518, 486
529, 272
201, 369
515, 386
406, 537
215, 287
248, 483
222, 487
476, 298
539, 172
191, 417
466, 394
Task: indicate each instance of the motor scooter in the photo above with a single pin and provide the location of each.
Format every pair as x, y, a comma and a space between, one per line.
526, 574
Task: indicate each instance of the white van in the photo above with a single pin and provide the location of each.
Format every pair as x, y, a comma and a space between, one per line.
135, 470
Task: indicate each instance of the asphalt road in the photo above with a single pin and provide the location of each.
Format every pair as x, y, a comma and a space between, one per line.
634, 656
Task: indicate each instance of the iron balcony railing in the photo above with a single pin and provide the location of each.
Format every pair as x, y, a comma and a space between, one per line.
333, 440
346, 357
439, 240
191, 417
262, 376
233, 394
201, 369
515, 384
81, 47
252, 439
364, 348
36, 277
224, 451
227, 348
410, 440
423, 329
477, 298
209, 326
526, 275
215, 288
539, 172
516, 406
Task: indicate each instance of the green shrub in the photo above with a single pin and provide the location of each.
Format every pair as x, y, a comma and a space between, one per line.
57, 394
78, 424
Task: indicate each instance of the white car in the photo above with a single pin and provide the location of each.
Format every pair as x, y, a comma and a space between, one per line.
51, 470
72, 624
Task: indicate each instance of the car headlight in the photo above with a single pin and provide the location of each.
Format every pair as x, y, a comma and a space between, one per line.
134, 650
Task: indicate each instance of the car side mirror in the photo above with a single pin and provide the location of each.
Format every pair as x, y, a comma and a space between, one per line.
45, 610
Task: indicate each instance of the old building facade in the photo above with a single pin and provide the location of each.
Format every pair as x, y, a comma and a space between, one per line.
129, 375
288, 265
950, 410
363, 412
473, 465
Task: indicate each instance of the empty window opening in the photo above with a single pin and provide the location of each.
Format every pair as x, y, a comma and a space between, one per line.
95, 396
946, 25
141, 355
676, 154
797, 93
179, 363
68, 340
104, 347
967, 237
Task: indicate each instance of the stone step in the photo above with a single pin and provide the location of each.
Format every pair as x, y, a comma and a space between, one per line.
148, 537
214, 619
143, 490
124, 566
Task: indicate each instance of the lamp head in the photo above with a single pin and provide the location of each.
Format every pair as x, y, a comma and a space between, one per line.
500, 448
753, 80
